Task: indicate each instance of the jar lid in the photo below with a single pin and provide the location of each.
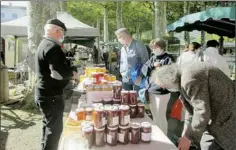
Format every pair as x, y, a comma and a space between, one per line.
124, 91
101, 129
89, 109
79, 109
124, 127
132, 105
86, 123
135, 125
112, 128
87, 129
107, 99
114, 99
117, 84
124, 107
141, 104
146, 124
113, 108
118, 105
99, 108
133, 91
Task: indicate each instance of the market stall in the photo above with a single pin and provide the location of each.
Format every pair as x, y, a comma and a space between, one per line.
107, 117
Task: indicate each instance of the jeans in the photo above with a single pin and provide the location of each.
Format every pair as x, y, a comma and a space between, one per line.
52, 109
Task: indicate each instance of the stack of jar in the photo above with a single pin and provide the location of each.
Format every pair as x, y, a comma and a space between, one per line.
98, 87
130, 98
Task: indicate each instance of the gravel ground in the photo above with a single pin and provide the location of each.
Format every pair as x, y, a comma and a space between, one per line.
21, 130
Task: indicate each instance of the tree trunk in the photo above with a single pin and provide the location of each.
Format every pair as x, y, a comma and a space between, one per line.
106, 35
186, 11
156, 20
63, 6
203, 35
163, 20
97, 41
153, 21
119, 22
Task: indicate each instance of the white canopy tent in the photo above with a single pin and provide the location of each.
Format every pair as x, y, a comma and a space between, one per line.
75, 28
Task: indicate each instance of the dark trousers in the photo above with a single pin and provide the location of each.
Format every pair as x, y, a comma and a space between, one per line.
52, 109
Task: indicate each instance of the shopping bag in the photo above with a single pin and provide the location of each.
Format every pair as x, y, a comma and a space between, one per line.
176, 110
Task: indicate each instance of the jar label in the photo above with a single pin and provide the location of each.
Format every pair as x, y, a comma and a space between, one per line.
130, 135
146, 137
103, 121
115, 121
109, 139
88, 118
127, 119
105, 138
121, 137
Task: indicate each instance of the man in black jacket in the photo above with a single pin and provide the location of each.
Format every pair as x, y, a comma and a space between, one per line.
53, 74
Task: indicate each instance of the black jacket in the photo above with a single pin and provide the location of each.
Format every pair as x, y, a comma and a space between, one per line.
148, 67
50, 53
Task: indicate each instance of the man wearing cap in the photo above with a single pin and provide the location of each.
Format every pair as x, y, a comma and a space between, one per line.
53, 74
133, 52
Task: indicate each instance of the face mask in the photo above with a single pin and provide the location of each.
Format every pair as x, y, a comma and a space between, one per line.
61, 39
157, 51
173, 90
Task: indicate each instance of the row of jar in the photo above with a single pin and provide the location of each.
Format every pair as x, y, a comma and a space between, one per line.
110, 115
98, 87
134, 133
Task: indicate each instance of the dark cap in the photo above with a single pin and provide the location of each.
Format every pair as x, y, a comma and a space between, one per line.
56, 22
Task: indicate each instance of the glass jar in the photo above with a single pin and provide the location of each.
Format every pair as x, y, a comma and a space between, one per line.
99, 117
124, 97
100, 137
123, 135
88, 135
133, 97
124, 115
133, 111
89, 113
107, 101
100, 101
146, 132
97, 105
141, 110
116, 101
112, 136
135, 133
117, 90
86, 123
113, 116
80, 112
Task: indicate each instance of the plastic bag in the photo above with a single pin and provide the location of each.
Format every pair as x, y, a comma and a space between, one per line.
136, 76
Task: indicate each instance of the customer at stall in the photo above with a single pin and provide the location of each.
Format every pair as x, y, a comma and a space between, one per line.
53, 74
158, 96
209, 98
211, 55
133, 52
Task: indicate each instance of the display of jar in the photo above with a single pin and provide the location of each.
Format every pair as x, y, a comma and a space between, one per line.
86, 123
107, 101
99, 117
94, 105
89, 113
100, 137
133, 98
112, 133
97, 87
90, 87
124, 97
116, 101
117, 105
135, 133
146, 132
133, 111
123, 134
80, 112
95, 101
141, 110
113, 116
88, 135
117, 90
124, 115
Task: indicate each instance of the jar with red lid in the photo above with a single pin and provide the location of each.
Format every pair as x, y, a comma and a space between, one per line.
146, 132
116, 101
117, 90
124, 97
112, 136
88, 135
124, 115
112, 116
141, 110
123, 134
99, 117
133, 111
133, 97
135, 133
100, 137
107, 101
89, 113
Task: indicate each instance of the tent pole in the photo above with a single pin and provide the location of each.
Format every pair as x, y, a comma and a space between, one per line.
15, 38
99, 51
221, 41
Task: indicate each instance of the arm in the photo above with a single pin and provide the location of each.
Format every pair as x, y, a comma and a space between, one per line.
59, 67
198, 92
